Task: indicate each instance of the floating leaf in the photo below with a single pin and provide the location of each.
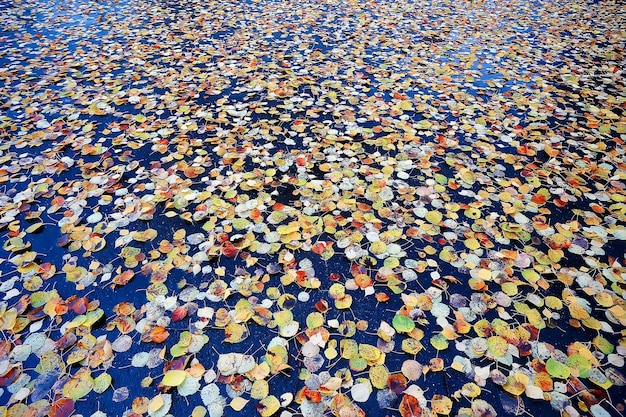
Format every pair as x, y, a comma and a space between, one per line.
557, 369
361, 392
397, 383
497, 346
483, 408
189, 386
470, 390
78, 386
516, 383
120, 394
410, 407
579, 363
603, 345
378, 376
439, 342
238, 403
101, 383
434, 217
534, 392
403, 324
62, 408
369, 353
160, 405
441, 404
174, 378
412, 369
199, 411
268, 406
122, 343
260, 389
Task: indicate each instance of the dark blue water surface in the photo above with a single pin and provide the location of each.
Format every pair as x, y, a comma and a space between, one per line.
125, 108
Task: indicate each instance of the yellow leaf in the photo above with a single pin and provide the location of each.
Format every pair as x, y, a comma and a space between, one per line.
497, 345
470, 390
198, 411
509, 288
441, 404
472, 244
174, 378
434, 217
577, 311
378, 375
260, 389
514, 385
553, 302
406, 105
238, 403
268, 406
156, 403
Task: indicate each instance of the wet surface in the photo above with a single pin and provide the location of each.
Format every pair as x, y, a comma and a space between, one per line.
312, 208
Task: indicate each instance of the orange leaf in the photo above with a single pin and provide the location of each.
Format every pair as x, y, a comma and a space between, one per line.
255, 213
313, 396
9, 377
596, 208
410, 407
319, 247
125, 324
363, 280
124, 277
159, 334
381, 297
543, 381
539, 199
397, 383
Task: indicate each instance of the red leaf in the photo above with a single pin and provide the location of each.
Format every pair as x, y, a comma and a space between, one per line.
539, 199
560, 203
62, 408
46, 270
179, 314
319, 247
9, 377
313, 396
79, 305
322, 306
176, 364
22, 304
66, 341
36, 314
229, 250
381, 297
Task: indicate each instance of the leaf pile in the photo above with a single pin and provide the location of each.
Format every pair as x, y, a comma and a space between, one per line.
312, 207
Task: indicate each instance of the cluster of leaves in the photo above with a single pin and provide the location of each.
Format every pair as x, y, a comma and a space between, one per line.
312, 207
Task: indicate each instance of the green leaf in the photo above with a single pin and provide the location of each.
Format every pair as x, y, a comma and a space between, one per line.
557, 369
439, 342
578, 361
101, 383
603, 345
403, 324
